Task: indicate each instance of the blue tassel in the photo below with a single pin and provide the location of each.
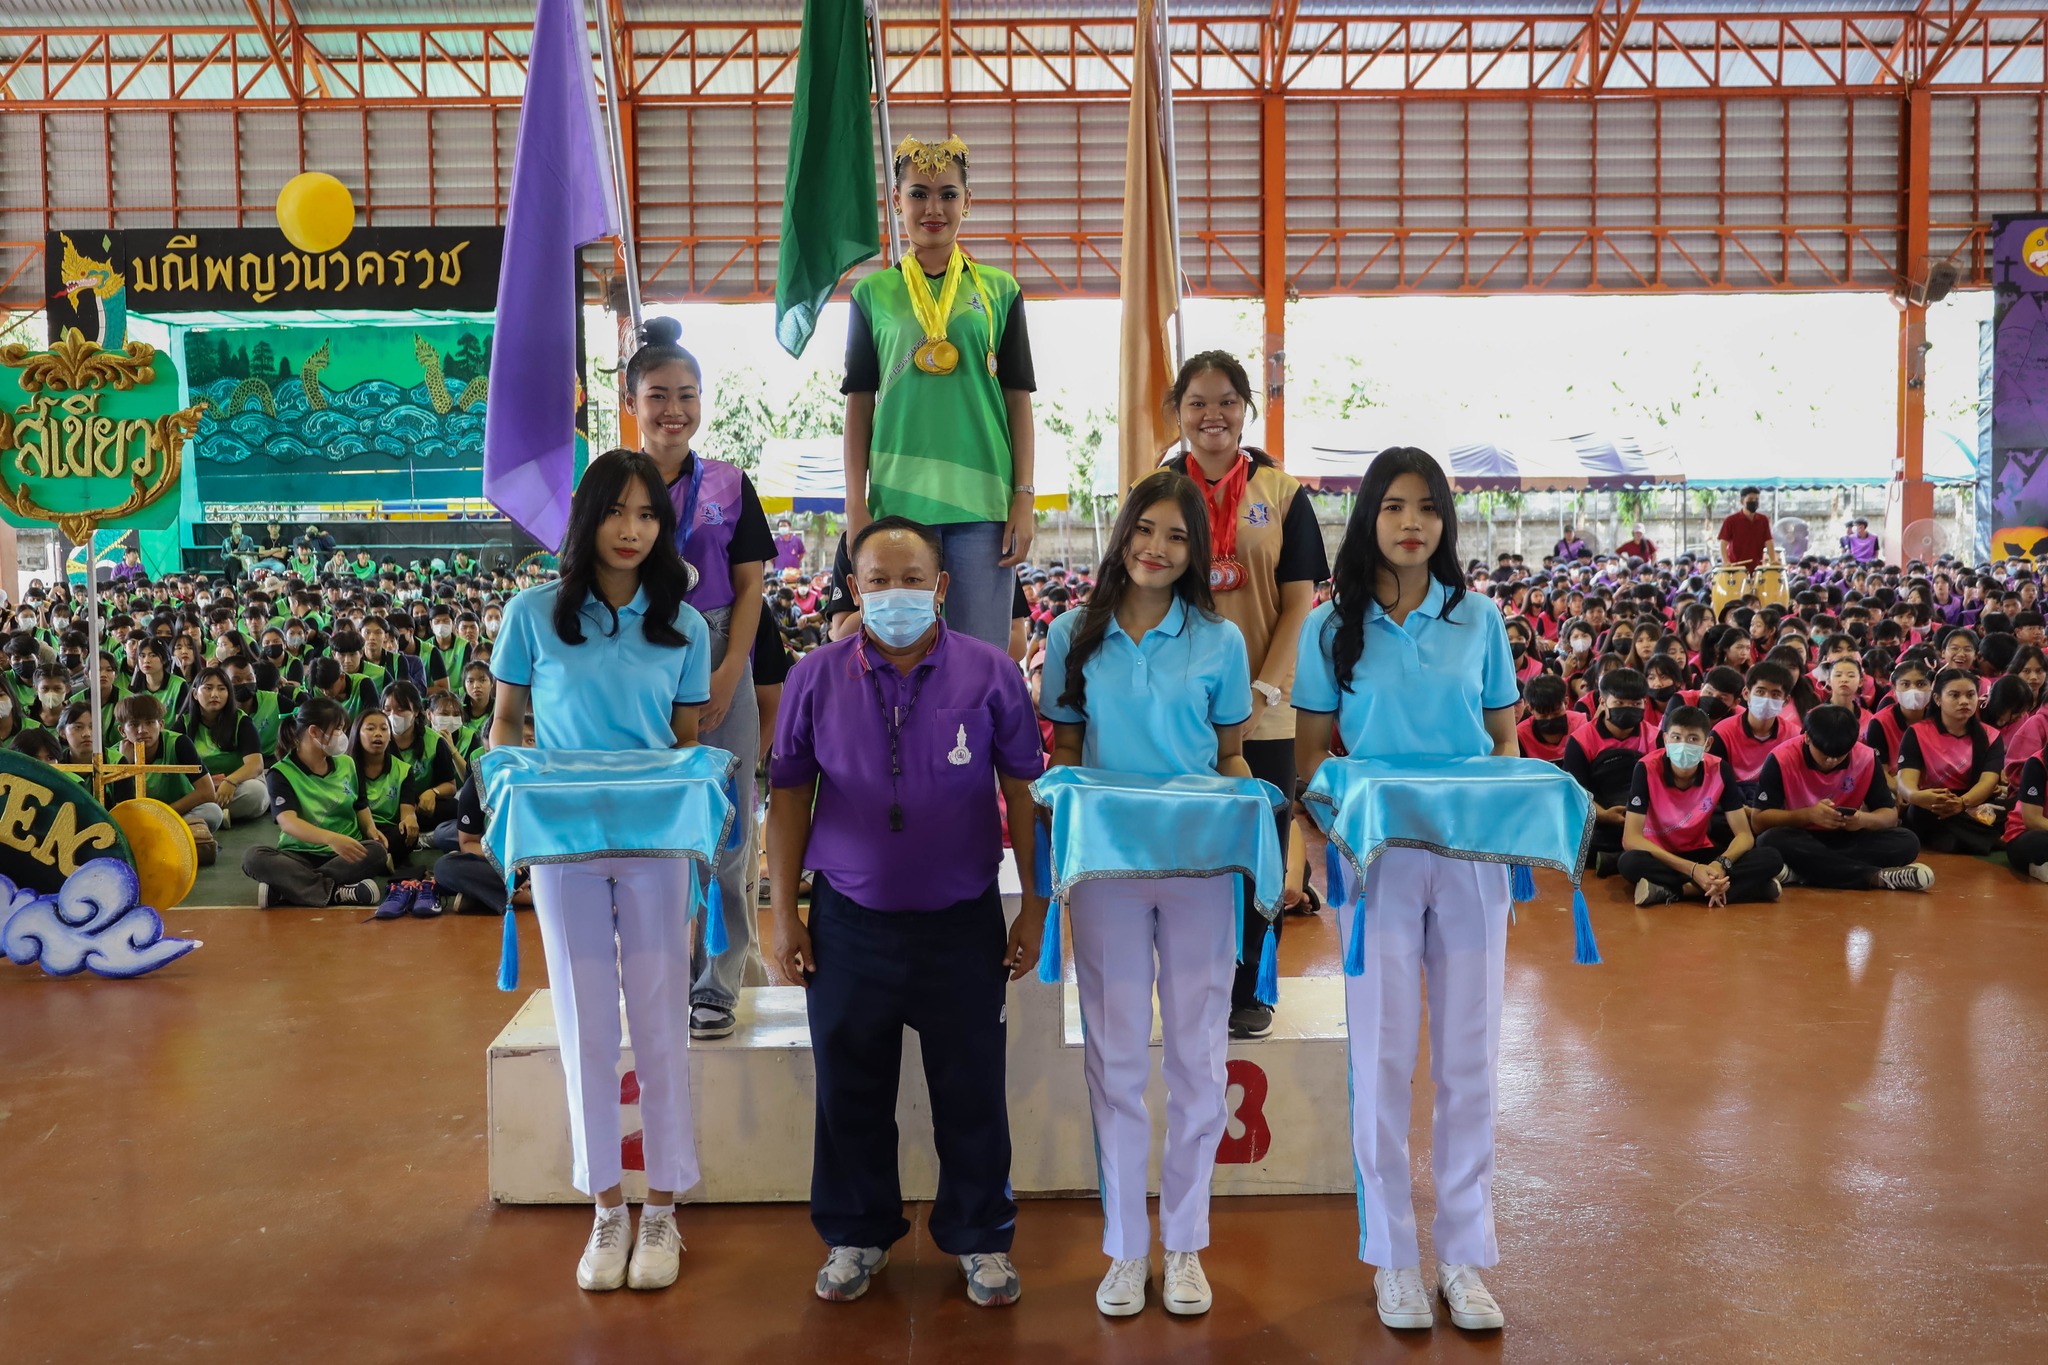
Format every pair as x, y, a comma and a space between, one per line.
1049, 951
1522, 884
1333, 874
1041, 860
1267, 992
1585, 951
715, 941
1354, 943
508, 954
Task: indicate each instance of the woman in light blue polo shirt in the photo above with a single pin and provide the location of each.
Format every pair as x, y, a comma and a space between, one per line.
1149, 679
1404, 662
611, 658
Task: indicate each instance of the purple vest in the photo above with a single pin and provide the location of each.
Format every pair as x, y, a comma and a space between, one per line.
710, 534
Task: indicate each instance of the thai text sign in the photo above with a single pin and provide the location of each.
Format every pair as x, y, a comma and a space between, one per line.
162, 270
90, 438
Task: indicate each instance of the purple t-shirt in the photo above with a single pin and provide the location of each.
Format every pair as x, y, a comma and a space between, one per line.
789, 551
972, 720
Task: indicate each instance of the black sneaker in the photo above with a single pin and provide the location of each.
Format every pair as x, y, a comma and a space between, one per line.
1309, 904
363, 892
711, 1021
1253, 1021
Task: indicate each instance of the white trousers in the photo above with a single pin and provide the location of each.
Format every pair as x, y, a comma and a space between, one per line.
607, 924
1179, 933
1445, 919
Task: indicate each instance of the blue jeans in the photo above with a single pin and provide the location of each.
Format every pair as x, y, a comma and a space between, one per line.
979, 591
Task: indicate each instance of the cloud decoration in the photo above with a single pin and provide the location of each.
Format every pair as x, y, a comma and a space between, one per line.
93, 923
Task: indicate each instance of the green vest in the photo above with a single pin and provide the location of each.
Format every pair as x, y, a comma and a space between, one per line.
385, 792
168, 788
363, 571
469, 739
359, 698
940, 452
265, 718
328, 802
430, 745
218, 761
452, 659
375, 672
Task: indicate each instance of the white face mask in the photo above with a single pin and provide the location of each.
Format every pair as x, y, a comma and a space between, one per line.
59, 622
442, 630
1914, 698
401, 724
447, 725
1684, 756
491, 625
1766, 708
51, 698
295, 639
337, 744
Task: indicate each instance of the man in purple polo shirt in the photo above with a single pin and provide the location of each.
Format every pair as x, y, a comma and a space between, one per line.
789, 547
889, 749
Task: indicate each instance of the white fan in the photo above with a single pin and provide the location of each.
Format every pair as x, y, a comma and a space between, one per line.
1925, 540
1793, 536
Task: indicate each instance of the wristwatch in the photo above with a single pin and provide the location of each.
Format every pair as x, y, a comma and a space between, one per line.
1024, 488
1266, 690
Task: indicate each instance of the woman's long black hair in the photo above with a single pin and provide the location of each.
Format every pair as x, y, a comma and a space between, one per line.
1975, 727
663, 574
1113, 577
1359, 560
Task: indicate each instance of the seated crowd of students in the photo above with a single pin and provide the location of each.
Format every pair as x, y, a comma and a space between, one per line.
347, 710
1886, 713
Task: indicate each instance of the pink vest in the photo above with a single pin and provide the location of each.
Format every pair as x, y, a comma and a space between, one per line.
1680, 819
1947, 756
1894, 726
1847, 787
1745, 751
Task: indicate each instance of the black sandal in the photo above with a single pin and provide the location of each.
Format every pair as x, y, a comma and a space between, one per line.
1309, 904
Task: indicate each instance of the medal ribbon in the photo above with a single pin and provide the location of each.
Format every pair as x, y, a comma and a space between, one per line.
932, 314
1223, 496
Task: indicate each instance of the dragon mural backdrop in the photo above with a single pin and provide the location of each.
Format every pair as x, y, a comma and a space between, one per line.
2019, 389
288, 404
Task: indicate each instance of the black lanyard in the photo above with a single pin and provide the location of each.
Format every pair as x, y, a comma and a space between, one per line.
892, 721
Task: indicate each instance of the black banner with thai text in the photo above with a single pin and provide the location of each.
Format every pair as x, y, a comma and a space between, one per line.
94, 276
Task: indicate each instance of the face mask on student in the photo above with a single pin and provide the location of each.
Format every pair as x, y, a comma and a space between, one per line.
447, 725
1662, 695
337, 744
1548, 728
443, 629
245, 692
1581, 645
295, 639
1766, 708
1684, 757
490, 625
273, 651
1624, 718
401, 724
899, 617
1914, 698
1715, 708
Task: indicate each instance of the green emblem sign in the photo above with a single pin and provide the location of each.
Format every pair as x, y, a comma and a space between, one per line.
50, 825
90, 439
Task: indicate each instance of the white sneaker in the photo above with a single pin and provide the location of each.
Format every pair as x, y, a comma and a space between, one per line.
1186, 1287
2039, 872
657, 1252
1911, 877
1472, 1306
1404, 1303
604, 1256
847, 1270
1122, 1291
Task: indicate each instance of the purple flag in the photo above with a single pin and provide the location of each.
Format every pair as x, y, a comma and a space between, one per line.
561, 199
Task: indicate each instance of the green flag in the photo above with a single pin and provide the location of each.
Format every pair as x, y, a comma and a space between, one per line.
828, 204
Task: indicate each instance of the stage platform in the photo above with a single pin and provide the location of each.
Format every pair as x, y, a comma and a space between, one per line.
1804, 1132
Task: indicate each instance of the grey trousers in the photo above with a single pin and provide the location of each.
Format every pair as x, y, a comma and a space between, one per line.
298, 878
717, 980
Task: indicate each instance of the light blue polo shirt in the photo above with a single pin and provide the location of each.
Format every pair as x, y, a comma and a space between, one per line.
613, 691
1421, 687
1153, 704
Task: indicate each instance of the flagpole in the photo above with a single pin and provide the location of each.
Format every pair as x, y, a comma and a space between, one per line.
1165, 50
879, 56
629, 248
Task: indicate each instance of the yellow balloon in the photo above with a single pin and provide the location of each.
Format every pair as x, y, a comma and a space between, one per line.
166, 856
316, 212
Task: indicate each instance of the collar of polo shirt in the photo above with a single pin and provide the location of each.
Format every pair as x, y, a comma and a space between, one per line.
595, 605
1432, 603
1175, 620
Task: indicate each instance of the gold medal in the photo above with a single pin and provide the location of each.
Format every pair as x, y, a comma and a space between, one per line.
936, 357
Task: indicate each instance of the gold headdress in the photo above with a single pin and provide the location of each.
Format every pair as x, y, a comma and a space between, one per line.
932, 157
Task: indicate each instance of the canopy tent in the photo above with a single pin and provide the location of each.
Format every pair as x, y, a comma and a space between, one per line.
805, 474
1336, 458
1949, 459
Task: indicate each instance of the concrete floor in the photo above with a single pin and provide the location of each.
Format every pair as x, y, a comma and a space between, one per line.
1808, 1132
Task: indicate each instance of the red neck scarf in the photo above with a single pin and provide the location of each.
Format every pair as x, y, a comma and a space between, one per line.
1222, 496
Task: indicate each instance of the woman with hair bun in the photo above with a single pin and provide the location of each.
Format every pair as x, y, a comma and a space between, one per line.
723, 534
1268, 558
938, 396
